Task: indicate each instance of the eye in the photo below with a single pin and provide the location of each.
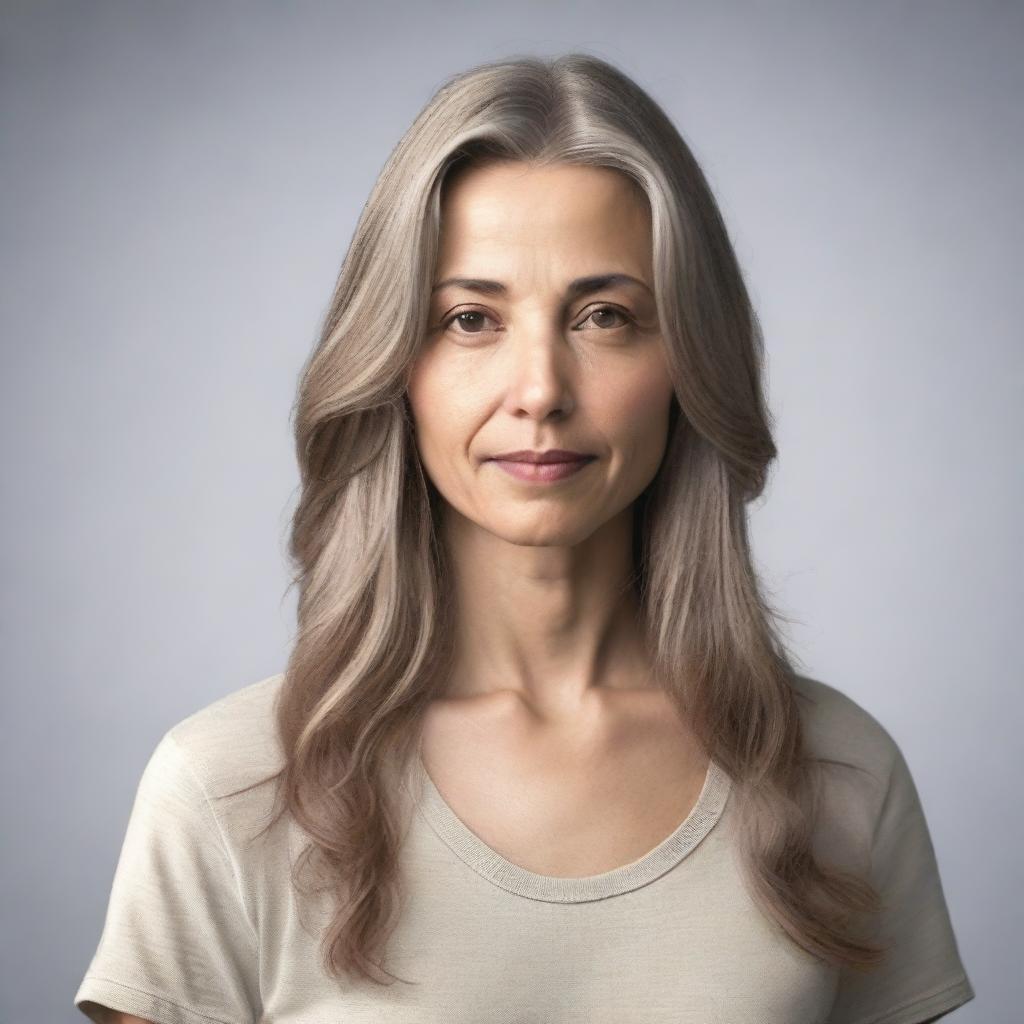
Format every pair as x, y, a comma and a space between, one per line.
461, 318
604, 311
474, 318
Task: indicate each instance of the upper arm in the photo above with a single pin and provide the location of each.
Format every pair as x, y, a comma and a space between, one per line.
177, 943
922, 977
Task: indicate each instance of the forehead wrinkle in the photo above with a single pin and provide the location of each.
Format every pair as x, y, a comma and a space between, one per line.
517, 235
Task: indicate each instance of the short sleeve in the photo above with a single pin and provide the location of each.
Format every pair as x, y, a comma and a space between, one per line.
922, 977
176, 945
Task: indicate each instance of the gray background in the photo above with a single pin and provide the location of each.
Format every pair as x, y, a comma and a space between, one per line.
180, 181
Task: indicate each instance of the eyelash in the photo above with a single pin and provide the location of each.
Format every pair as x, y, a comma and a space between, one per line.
446, 323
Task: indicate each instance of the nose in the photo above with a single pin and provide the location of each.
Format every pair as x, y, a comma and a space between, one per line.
540, 377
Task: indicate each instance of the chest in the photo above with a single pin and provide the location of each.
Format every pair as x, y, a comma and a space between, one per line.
688, 948
566, 803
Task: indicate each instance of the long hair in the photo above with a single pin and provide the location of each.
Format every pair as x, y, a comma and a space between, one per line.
374, 637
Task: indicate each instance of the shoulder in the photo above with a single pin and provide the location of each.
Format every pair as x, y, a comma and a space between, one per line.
232, 742
861, 767
837, 727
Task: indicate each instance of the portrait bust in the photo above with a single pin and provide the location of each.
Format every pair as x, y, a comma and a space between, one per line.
539, 752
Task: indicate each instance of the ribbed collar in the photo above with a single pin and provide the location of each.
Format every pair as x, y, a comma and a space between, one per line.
487, 862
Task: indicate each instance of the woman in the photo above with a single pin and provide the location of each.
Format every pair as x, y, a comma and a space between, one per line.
538, 753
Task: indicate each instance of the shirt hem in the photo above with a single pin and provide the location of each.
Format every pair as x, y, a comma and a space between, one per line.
949, 996
128, 999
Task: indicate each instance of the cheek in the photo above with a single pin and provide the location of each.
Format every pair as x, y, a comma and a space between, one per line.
428, 394
442, 412
642, 407
637, 426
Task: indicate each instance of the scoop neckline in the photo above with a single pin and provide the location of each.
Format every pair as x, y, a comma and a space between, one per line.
513, 878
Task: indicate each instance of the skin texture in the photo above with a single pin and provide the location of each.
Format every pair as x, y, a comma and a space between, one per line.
551, 742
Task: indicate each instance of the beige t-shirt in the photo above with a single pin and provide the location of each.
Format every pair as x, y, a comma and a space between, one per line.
203, 927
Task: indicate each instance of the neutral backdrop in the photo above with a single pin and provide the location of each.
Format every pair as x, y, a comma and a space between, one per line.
180, 183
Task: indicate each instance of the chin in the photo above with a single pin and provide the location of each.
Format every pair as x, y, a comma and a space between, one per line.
544, 535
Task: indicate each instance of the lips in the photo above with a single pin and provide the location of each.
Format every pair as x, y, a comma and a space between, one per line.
548, 471
543, 458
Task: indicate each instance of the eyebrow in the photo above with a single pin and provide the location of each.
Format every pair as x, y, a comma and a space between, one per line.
580, 286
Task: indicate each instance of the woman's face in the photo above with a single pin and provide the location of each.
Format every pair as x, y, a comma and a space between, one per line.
522, 359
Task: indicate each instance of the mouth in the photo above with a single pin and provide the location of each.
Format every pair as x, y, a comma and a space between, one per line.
548, 471
537, 457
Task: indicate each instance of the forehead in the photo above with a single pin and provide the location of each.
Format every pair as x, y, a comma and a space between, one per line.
505, 214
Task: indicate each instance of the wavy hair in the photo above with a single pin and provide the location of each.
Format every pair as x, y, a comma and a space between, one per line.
374, 637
